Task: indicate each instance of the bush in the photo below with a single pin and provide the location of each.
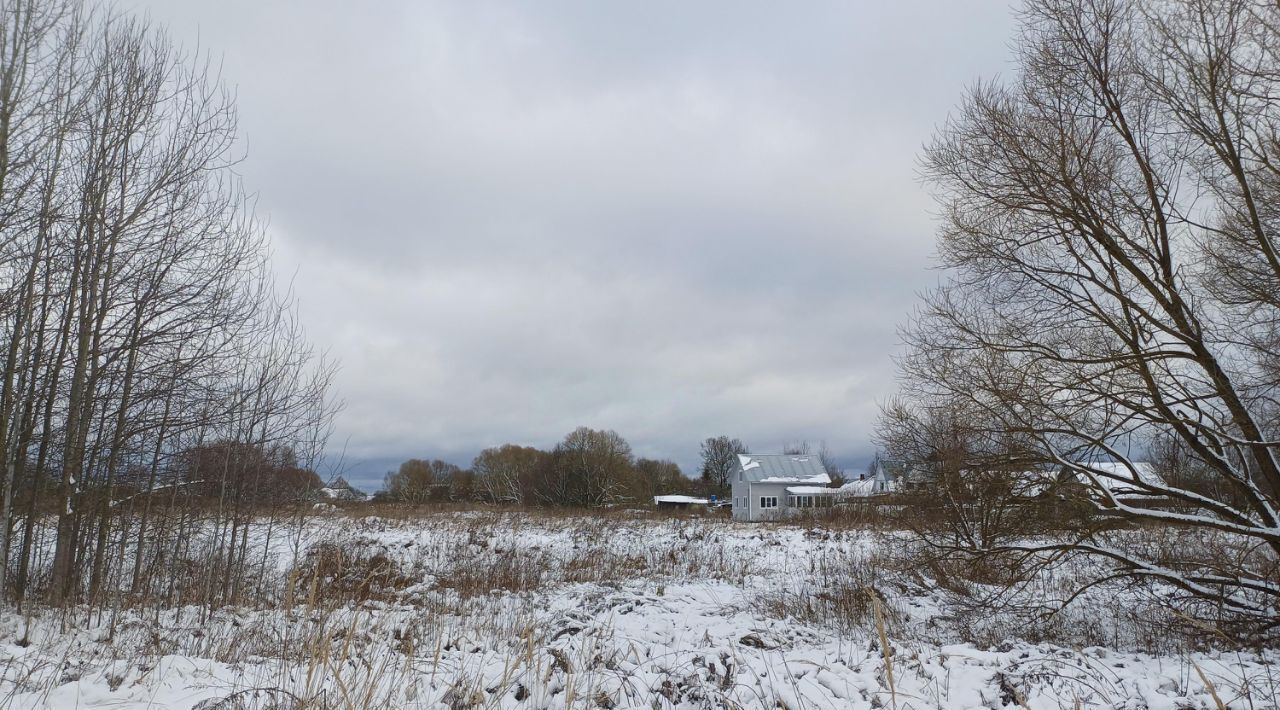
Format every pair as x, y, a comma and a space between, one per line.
337, 574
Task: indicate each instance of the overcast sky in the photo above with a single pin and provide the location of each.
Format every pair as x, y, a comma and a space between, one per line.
671, 219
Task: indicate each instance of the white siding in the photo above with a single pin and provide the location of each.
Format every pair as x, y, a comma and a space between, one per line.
740, 492
766, 490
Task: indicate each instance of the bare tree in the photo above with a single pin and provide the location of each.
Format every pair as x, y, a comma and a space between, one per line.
1110, 220
506, 473
138, 317
654, 477
719, 458
589, 468
34, 111
412, 482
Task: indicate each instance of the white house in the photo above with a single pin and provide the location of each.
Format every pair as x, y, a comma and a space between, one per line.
771, 486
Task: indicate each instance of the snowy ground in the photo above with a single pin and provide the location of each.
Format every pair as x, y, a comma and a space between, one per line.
487, 611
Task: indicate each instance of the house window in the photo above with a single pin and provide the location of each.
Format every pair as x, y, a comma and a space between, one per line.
768, 501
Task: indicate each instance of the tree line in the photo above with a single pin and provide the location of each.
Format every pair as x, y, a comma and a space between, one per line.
155, 384
589, 468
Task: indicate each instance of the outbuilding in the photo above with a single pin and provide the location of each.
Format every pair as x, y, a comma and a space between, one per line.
679, 502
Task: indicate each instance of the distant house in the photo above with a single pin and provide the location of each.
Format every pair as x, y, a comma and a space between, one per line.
679, 502
908, 476
772, 486
1136, 484
339, 491
867, 486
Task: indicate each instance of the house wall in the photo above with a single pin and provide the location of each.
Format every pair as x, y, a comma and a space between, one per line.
759, 490
740, 490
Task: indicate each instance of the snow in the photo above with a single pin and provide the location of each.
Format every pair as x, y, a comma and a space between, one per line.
747, 463
344, 494
810, 490
860, 489
626, 612
1121, 479
795, 479
339, 489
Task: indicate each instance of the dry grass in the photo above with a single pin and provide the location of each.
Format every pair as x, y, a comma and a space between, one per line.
336, 574
846, 588
390, 610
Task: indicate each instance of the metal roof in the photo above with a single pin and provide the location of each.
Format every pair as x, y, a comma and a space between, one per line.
782, 468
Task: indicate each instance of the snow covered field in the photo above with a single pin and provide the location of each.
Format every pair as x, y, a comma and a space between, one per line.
513, 611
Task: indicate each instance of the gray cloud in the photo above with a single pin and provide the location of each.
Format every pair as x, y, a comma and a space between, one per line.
671, 219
